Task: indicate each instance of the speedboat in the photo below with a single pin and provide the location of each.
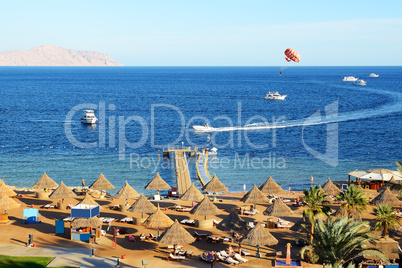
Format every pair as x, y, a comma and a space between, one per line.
204, 128
360, 82
213, 151
88, 117
373, 75
274, 95
350, 79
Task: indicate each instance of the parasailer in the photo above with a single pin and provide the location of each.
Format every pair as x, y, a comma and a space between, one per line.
292, 55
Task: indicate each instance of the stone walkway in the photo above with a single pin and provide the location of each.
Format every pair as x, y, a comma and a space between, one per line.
64, 257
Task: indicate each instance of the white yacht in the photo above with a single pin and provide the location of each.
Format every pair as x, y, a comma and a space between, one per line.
88, 117
373, 75
350, 79
213, 151
204, 128
360, 82
274, 95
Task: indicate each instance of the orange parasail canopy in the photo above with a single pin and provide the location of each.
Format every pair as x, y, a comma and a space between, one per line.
292, 54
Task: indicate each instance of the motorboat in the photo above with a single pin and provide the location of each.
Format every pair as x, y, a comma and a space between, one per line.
204, 128
274, 95
360, 82
373, 75
213, 151
88, 117
350, 79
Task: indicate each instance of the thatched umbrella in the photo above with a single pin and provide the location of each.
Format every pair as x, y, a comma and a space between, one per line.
392, 185
158, 220
88, 200
176, 234
157, 183
127, 192
142, 205
330, 188
232, 222
45, 182
7, 203
386, 198
254, 196
215, 186
93, 222
192, 194
278, 209
5, 190
259, 236
271, 187
101, 184
205, 207
62, 192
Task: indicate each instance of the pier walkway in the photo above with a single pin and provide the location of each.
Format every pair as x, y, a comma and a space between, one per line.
202, 168
182, 172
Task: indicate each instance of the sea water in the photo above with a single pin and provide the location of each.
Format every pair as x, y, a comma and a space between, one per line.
325, 128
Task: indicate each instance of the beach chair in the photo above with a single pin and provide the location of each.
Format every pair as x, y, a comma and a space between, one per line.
230, 260
216, 222
191, 222
196, 234
131, 238
184, 221
151, 237
175, 258
245, 252
251, 224
240, 258
224, 254
142, 237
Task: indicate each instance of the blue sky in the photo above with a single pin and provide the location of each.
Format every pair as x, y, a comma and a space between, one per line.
211, 33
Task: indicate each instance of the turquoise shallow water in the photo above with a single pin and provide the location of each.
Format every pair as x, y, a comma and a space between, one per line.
147, 108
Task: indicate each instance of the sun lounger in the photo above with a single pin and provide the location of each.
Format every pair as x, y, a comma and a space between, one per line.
184, 221
230, 260
240, 258
249, 212
191, 222
225, 239
245, 252
172, 246
49, 206
126, 220
196, 234
282, 226
151, 237
175, 258
251, 224
142, 237
224, 253
216, 222
69, 219
211, 239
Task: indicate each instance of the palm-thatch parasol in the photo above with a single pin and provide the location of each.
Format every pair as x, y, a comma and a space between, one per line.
386, 198
45, 182
176, 234
127, 192
392, 185
215, 186
101, 184
7, 203
205, 207
93, 222
192, 194
254, 196
278, 209
5, 190
62, 192
232, 222
142, 205
158, 220
259, 236
157, 183
330, 188
271, 187
88, 200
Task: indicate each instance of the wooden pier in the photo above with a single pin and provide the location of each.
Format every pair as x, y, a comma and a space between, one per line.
182, 171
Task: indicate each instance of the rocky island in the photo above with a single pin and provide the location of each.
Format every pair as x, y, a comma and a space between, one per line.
49, 55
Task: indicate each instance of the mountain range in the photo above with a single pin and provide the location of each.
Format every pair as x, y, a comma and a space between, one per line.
48, 55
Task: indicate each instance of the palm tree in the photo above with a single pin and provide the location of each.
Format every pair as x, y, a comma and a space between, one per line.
315, 200
356, 202
385, 218
335, 240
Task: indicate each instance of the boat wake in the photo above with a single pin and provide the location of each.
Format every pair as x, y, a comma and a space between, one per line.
393, 107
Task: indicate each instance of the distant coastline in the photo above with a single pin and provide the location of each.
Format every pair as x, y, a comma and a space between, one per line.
48, 55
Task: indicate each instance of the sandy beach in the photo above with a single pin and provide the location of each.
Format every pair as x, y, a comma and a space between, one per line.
16, 233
